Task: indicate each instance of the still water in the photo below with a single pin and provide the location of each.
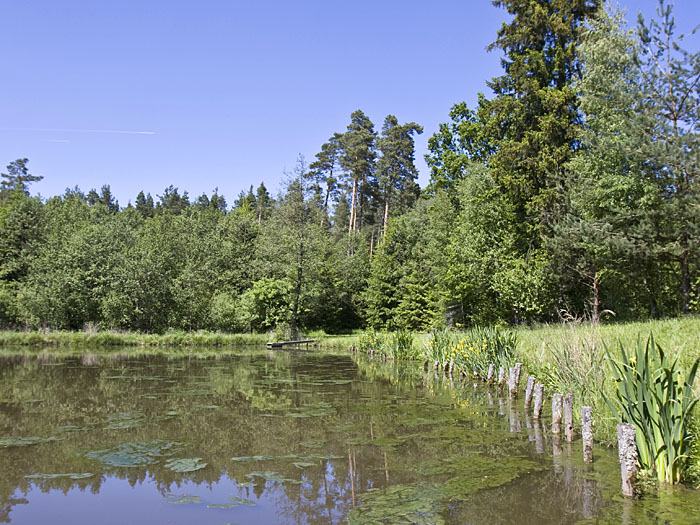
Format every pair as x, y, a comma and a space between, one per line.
288, 437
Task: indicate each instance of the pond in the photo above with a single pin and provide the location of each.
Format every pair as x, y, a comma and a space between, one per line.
288, 437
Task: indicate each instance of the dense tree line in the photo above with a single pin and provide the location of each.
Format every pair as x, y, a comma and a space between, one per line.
572, 191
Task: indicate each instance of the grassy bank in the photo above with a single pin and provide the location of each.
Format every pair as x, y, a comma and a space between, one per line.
108, 338
577, 358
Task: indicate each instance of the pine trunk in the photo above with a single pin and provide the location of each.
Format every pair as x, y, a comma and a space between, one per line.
386, 216
351, 227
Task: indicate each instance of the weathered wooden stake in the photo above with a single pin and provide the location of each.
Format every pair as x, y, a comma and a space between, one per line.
514, 380
437, 365
501, 375
452, 365
569, 417
511, 379
492, 371
627, 448
587, 433
556, 414
539, 395
528, 391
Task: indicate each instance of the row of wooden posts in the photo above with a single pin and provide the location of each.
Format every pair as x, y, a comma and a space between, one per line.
563, 407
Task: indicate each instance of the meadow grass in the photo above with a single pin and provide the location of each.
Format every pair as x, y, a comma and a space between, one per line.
171, 338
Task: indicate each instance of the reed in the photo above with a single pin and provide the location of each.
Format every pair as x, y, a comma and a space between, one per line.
652, 393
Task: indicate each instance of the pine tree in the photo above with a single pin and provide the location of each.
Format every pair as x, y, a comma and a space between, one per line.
17, 178
358, 160
396, 171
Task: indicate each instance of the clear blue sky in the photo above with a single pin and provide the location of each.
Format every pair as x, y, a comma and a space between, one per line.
230, 92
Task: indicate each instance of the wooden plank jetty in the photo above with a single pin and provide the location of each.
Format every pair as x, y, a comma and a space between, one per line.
279, 344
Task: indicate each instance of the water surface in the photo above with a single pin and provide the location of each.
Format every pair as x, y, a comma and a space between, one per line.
288, 437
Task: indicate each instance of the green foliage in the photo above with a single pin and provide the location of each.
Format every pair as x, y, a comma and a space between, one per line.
652, 394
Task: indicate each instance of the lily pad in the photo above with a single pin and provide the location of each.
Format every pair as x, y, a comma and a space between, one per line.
223, 506
184, 499
72, 428
71, 475
7, 442
125, 420
242, 501
134, 454
273, 476
304, 464
185, 464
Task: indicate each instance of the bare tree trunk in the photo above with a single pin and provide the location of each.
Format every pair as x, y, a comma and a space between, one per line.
386, 216
685, 274
360, 206
325, 207
596, 300
351, 227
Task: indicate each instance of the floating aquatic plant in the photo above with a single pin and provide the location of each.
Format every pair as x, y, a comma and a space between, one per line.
71, 475
7, 442
273, 476
183, 499
185, 464
134, 454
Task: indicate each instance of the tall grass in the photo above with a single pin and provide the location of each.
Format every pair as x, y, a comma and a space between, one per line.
472, 351
397, 345
652, 394
92, 338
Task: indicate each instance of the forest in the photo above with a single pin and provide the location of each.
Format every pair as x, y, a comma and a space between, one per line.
569, 192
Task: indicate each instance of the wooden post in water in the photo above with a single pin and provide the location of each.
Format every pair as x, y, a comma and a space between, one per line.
514, 380
587, 433
492, 371
627, 448
556, 414
528, 392
452, 365
501, 376
569, 417
539, 395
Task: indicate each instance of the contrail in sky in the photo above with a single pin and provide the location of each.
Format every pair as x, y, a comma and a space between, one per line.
117, 131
